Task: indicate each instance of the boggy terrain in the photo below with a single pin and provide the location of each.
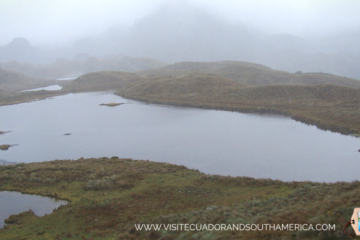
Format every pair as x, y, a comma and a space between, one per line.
109, 196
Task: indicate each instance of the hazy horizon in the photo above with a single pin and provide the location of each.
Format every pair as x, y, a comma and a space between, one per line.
57, 23
312, 36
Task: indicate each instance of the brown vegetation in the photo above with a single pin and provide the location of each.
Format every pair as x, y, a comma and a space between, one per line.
5, 146
331, 107
101, 81
111, 104
251, 74
327, 101
108, 196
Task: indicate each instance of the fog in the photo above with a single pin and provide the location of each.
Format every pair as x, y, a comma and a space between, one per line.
287, 35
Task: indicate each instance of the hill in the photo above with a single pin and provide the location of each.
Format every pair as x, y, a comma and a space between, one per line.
210, 66
192, 86
328, 106
101, 81
12, 81
3, 93
251, 74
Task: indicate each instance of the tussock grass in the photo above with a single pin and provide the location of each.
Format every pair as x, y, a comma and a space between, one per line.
108, 196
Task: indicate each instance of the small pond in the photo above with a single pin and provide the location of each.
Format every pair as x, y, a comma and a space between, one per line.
15, 202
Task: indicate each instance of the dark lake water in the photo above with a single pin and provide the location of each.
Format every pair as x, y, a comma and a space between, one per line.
215, 142
15, 203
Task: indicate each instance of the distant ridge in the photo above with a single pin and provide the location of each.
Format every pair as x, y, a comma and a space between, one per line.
19, 49
84, 64
12, 81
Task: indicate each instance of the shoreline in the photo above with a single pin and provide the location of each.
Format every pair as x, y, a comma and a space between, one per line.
244, 109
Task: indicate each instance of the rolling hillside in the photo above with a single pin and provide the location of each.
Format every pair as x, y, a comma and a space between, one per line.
13, 81
101, 81
251, 74
328, 106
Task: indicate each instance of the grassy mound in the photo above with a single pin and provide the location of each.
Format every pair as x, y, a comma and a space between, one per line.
101, 81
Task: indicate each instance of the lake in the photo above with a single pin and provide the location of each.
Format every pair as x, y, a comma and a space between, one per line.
15, 203
215, 142
48, 88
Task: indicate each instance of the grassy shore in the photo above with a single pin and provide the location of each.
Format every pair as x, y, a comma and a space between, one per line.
329, 107
109, 196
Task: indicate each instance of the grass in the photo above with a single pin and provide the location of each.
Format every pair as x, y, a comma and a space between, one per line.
329, 107
108, 196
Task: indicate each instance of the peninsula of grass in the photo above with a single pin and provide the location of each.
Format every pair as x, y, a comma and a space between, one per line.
109, 195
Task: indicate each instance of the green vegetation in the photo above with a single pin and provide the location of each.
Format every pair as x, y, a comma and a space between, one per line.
108, 196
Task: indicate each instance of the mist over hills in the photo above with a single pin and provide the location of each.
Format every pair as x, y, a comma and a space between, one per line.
82, 64
11, 82
189, 34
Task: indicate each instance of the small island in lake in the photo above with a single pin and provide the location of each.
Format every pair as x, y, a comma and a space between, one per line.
6, 146
111, 104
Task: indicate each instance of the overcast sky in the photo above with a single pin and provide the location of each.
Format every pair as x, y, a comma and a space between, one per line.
59, 21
